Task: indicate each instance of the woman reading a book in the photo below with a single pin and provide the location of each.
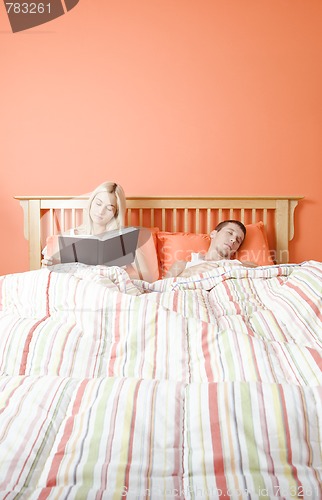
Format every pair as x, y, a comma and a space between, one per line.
105, 212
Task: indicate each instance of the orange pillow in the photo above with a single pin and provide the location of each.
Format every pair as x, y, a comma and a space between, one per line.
154, 231
51, 249
180, 246
255, 246
147, 252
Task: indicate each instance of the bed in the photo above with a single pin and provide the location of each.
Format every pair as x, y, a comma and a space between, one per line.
199, 387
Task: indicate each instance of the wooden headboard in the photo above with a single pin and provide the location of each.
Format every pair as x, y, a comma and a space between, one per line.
46, 215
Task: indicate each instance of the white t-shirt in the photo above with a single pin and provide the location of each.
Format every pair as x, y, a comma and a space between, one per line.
196, 258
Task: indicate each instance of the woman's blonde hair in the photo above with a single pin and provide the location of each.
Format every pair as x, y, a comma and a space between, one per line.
119, 216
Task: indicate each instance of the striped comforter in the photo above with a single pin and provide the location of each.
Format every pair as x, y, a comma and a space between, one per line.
205, 387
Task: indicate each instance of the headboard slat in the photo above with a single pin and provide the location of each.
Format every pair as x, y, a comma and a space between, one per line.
174, 220
185, 224
208, 220
197, 221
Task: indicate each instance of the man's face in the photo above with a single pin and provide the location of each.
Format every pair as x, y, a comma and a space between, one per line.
227, 240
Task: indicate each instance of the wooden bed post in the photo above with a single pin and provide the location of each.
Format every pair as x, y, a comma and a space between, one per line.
284, 226
282, 230
31, 209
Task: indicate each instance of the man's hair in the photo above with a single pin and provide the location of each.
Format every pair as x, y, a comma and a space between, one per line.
225, 222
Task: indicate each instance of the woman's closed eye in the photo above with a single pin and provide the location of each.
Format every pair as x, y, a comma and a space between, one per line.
109, 208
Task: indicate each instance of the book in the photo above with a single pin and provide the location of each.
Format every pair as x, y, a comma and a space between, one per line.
112, 248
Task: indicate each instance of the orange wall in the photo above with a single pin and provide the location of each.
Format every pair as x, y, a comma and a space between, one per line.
166, 97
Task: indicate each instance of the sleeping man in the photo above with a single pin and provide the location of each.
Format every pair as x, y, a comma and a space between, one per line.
225, 240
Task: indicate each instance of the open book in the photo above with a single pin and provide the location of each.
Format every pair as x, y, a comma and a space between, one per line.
113, 248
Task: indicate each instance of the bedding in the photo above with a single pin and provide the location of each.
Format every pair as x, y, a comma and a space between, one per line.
200, 387
255, 247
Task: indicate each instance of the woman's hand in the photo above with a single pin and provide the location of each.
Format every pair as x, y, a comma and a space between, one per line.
47, 262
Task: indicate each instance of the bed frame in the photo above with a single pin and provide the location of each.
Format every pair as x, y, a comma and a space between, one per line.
46, 215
